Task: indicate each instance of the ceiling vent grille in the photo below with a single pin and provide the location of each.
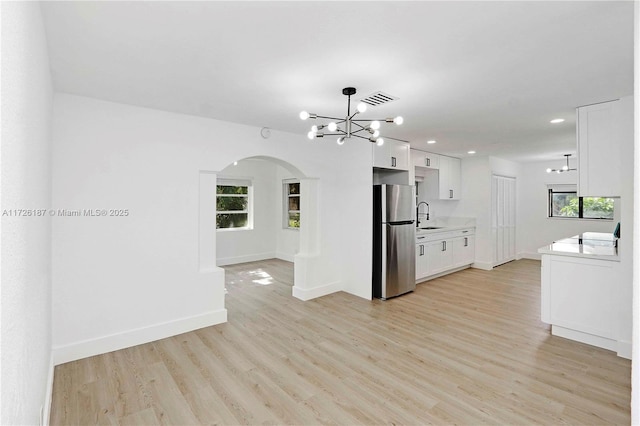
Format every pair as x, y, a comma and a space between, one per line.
378, 98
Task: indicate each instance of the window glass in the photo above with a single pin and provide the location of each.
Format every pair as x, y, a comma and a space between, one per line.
291, 204
233, 204
568, 204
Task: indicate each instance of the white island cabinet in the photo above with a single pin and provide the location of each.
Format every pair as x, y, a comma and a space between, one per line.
580, 283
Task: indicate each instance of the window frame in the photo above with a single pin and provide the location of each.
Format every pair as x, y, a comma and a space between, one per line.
554, 190
285, 207
239, 182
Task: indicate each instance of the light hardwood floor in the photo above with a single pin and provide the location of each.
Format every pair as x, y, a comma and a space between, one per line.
468, 348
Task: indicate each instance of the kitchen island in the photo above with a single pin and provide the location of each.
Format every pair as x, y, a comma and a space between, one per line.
581, 280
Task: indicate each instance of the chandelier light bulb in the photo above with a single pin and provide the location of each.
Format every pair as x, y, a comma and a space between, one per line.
375, 125
548, 170
340, 140
311, 134
314, 129
379, 141
362, 107
376, 133
558, 171
332, 127
398, 120
565, 167
304, 115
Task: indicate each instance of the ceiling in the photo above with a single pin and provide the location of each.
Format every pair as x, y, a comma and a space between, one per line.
483, 76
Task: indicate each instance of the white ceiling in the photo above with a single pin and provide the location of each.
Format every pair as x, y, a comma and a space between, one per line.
486, 76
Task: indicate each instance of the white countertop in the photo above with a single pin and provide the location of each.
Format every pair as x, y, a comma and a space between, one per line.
445, 224
595, 245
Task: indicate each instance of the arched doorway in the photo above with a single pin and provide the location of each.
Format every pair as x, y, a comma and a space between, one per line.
261, 231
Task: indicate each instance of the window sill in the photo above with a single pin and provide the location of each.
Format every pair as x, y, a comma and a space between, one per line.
580, 219
233, 229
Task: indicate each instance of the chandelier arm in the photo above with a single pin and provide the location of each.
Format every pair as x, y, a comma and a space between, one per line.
371, 119
361, 137
329, 118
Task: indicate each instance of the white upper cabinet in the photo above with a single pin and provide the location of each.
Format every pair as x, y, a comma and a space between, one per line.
428, 160
392, 155
601, 130
449, 178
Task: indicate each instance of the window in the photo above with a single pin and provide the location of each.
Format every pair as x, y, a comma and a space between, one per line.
234, 204
291, 204
564, 202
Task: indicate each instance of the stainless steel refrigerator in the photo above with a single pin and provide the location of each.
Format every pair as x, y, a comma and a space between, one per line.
394, 241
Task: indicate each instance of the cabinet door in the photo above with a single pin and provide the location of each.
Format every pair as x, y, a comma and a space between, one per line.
449, 178
427, 160
381, 156
399, 152
421, 261
391, 155
463, 251
599, 158
439, 256
454, 178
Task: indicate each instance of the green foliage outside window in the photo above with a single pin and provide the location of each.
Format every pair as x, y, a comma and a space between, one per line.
232, 204
293, 204
568, 204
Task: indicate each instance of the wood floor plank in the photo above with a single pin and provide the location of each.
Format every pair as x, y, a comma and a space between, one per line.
466, 348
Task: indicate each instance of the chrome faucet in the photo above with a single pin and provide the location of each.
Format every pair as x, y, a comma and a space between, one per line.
418, 212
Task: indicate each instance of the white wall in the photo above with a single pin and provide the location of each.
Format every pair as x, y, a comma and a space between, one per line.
534, 228
120, 281
27, 369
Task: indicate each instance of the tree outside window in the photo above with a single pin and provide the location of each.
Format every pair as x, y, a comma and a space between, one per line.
292, 204
233, 204
567, 204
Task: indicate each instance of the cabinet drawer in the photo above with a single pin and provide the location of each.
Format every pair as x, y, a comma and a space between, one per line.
446, 235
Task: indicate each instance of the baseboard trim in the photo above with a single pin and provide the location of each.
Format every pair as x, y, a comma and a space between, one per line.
625, 349
312, 293
527, 255
244, 259
113, 342
48, 398
589, 339
485, 266
285, 256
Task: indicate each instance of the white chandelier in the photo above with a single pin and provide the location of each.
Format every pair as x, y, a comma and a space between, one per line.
564, 168
347, 127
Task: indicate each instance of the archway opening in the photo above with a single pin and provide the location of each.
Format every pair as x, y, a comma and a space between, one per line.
260, 220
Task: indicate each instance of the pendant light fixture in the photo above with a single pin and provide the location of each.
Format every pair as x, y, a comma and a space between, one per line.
348, 127
564, 168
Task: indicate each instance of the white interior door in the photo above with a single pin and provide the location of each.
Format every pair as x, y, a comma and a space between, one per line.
503, 219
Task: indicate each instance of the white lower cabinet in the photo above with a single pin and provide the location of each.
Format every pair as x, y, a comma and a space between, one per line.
577, 298
464, 250
437, 253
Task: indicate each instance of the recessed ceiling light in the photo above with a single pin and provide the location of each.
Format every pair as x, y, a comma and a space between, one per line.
557, 120
431, 142
471, 152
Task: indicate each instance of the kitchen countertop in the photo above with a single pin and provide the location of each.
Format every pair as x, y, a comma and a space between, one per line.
445, 224
595, 245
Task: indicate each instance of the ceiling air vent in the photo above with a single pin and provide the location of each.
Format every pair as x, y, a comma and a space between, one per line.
378, 98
